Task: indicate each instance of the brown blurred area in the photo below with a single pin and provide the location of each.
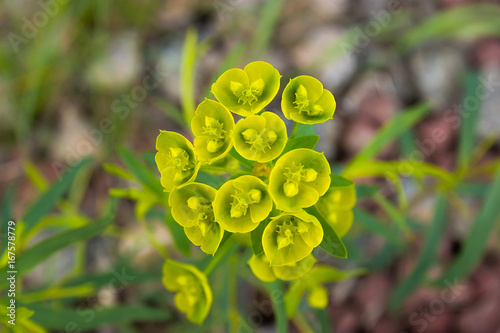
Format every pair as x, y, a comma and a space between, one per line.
107, 75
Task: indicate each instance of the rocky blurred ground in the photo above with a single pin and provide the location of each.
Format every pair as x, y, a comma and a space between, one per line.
371, 85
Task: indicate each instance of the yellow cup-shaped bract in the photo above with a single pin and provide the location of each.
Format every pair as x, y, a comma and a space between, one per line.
192, 208
337, 203
212, 126
260, 138
305, 101
291, 237
298, 179
193, 294
247, 91
263, 270
241, 204
175, 159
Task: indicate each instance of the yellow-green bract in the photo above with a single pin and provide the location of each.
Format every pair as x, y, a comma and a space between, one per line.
290, 237
212, 126
262, 269
298, 179
337, 203
194, 296
260, 138
305, 101
247, 91
175, 159
192, 208
242, 203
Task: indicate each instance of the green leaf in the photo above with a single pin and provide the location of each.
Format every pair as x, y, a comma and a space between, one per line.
477, 238
118, 171
374, 225
140, 171
240, 158
91, 318
366, 191
394, 214
6, 215
208, 179
306, 141
51, 196
52, 293
268, 18
178, 234
31, 257
191, 53
389, 169
331, 241
256, 236
426, 258
468, 21
391, 131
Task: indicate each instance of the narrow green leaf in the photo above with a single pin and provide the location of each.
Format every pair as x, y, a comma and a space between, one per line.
306, 141
82, 290
35, 176
140, 171
391, 131
268, 18
426, 258
51, 196
233, 153
92, 318
468, 21
208, 179
6, 215
188, 67
477, 238
178, 234
117, 171
31, 257
256, 236
374, 225
366, 191
394, 214
331, 241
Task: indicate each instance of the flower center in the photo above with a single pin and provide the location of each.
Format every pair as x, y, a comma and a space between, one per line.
178, 159
294, 175
203, 209
243, 199
215, 130
288, 230
259, 141
248, 94
303, 104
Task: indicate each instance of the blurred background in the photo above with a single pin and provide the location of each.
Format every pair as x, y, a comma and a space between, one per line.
417, 85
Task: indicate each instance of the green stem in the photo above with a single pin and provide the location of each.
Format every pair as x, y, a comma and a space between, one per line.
277, 294
294, 130
221, 253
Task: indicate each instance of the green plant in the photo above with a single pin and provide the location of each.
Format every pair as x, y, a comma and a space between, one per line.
264, 197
